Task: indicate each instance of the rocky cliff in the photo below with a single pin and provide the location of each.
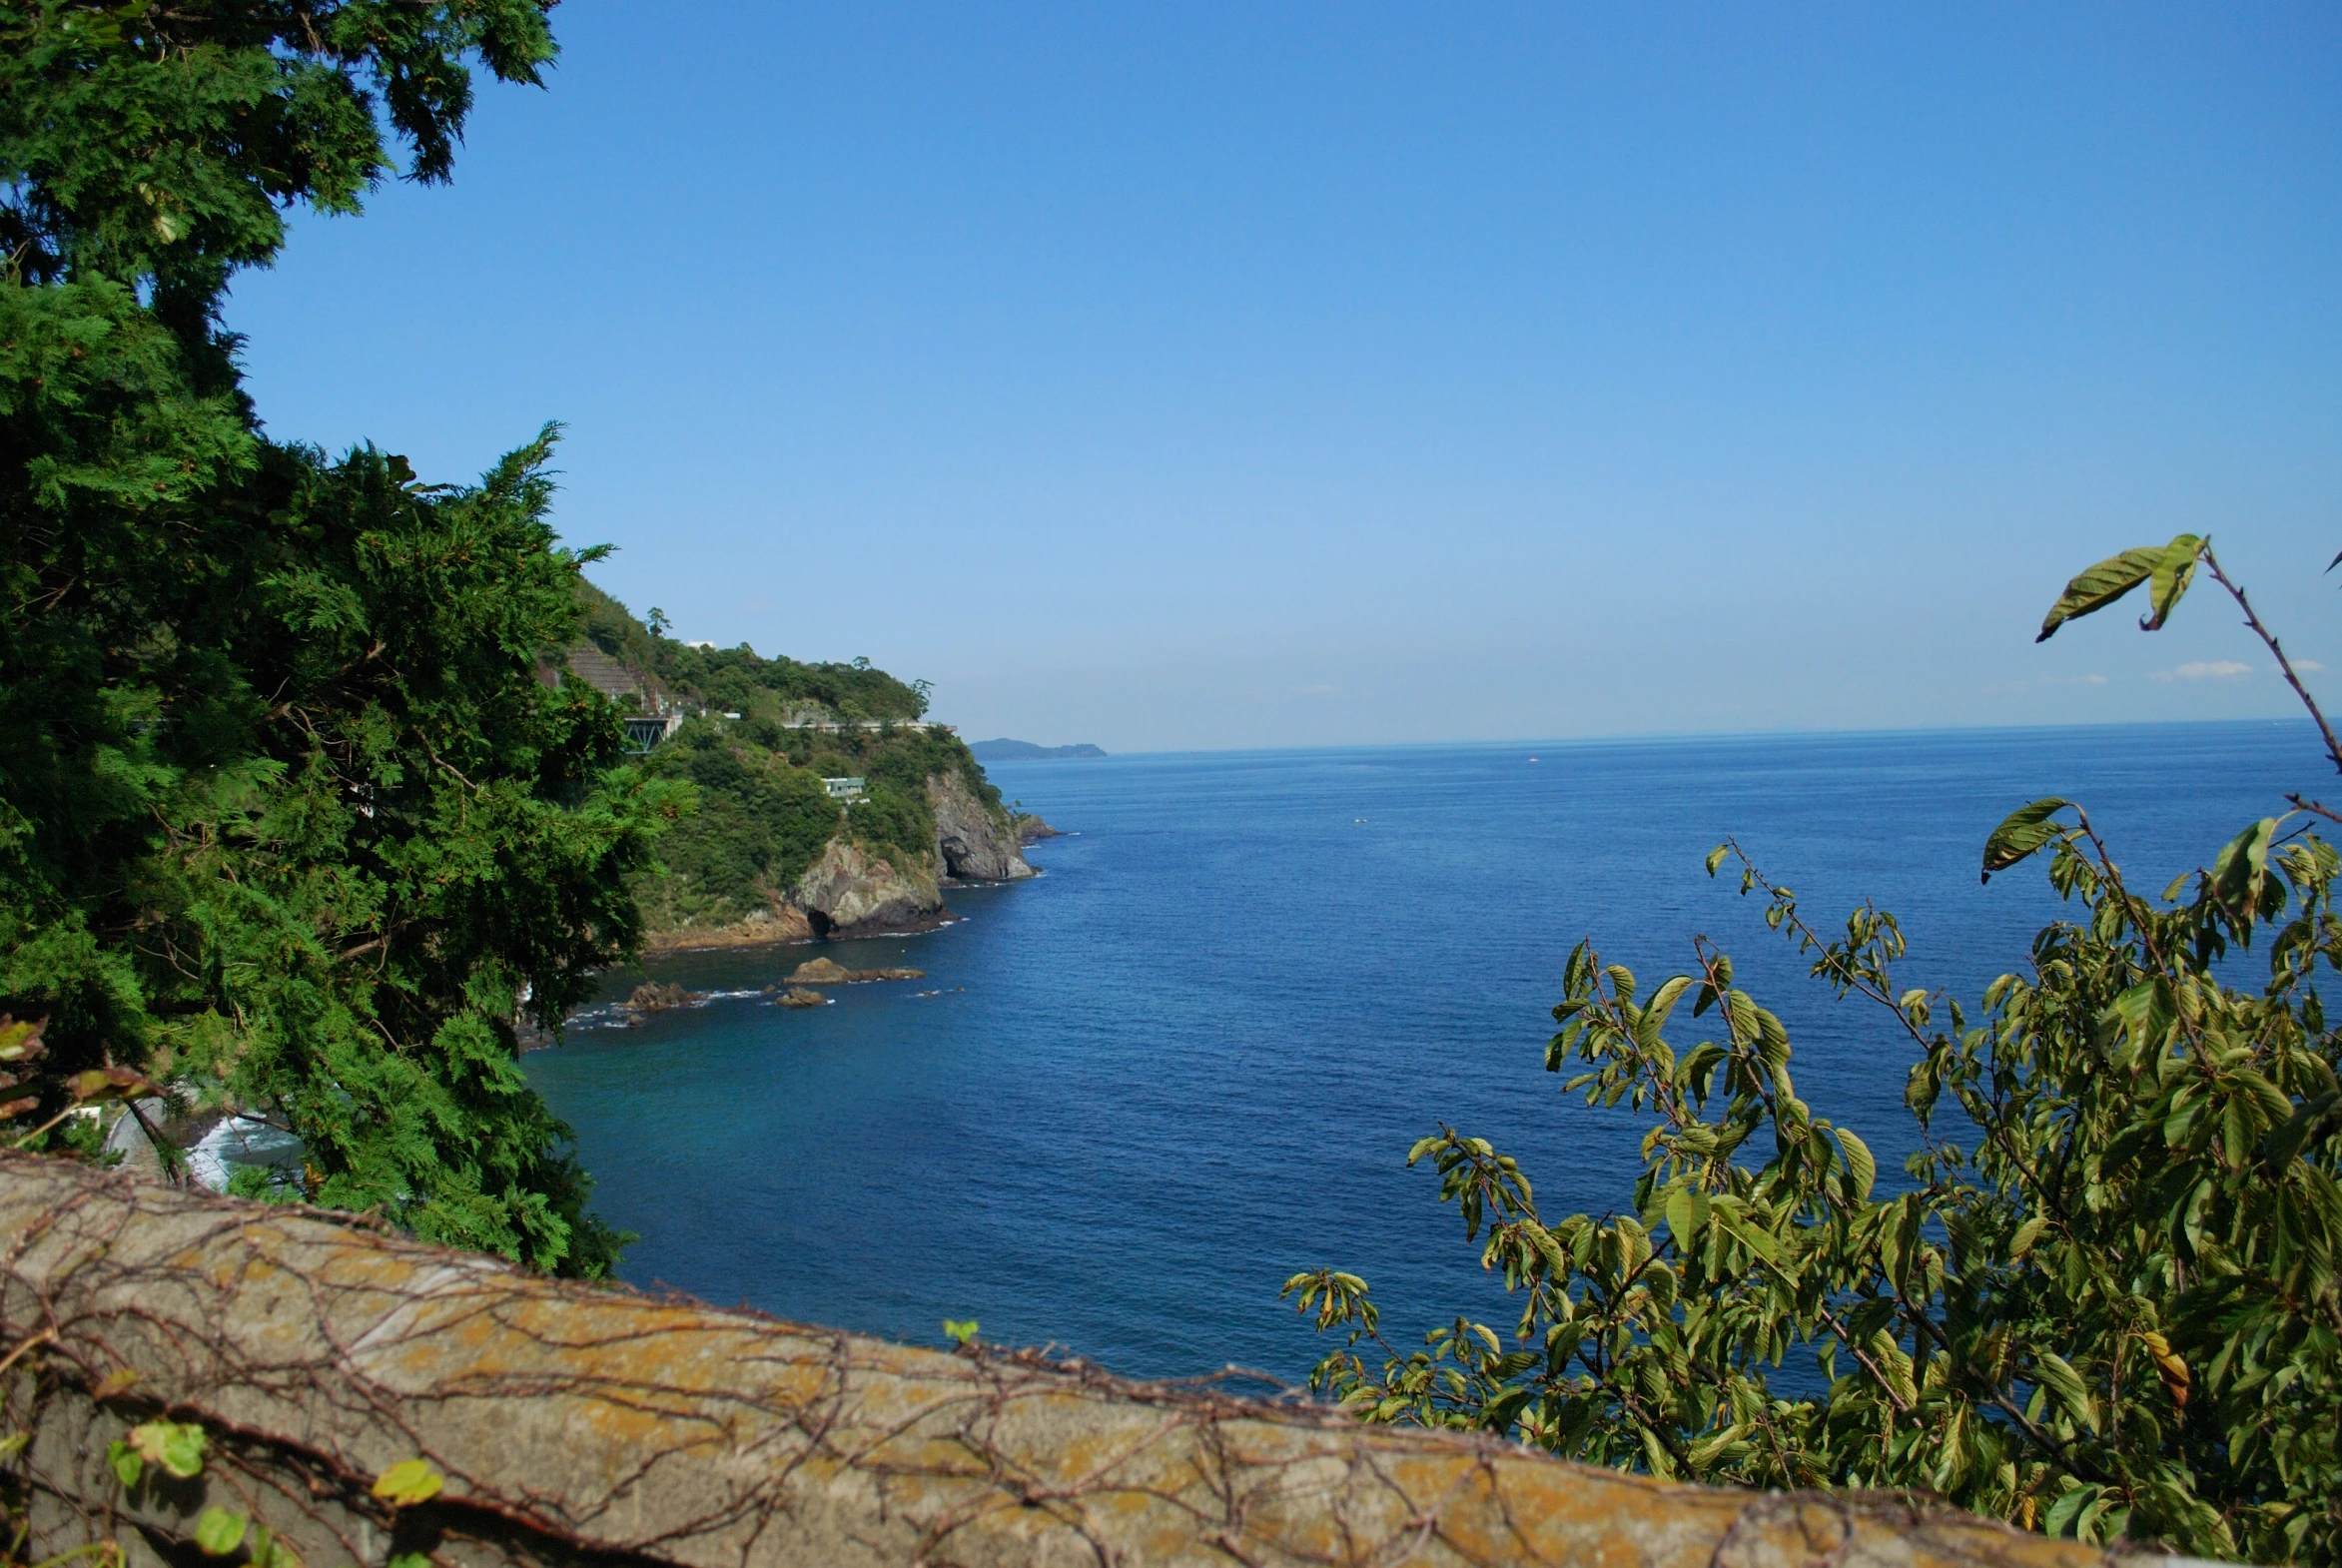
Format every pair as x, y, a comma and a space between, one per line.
849, 890
777, 921
771, 857
975, 842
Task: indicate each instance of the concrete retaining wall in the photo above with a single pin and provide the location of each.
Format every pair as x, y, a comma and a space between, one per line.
586, 1426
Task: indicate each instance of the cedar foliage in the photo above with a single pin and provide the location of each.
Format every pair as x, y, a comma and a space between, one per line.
2106, 1301
741, 680
284, 811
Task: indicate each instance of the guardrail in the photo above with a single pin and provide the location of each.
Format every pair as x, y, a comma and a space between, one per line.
603, 1428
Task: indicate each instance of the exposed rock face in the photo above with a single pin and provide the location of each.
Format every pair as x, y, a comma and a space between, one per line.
799, 997
975, 842
653, 996
849, 890
1032, 830
828, 972
762, 927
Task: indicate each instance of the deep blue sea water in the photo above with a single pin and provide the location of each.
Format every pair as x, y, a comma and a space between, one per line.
1188, 1060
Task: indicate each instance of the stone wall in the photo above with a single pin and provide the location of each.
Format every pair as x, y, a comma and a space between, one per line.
603, 1428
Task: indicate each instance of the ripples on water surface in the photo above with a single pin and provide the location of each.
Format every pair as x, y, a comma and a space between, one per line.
1190, 1059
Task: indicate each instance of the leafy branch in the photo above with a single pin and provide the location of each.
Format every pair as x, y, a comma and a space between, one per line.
2118, 1314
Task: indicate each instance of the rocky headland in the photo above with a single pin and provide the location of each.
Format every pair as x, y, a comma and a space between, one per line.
822, 802
976, 841
1004, 750
853, 889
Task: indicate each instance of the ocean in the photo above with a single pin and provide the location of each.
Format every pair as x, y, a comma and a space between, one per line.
1137, 1092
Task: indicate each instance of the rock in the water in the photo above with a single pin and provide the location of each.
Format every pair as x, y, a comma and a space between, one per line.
828, 972
1032, 830
799, 997
975, 842
849, 890
657, 997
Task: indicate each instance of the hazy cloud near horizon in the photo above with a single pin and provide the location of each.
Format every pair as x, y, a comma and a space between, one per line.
1229, 376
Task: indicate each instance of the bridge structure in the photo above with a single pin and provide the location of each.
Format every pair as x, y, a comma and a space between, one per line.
656, 714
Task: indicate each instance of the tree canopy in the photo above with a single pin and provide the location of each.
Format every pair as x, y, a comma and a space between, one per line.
287, 819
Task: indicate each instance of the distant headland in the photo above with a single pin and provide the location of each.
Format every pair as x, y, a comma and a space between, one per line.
1026, 751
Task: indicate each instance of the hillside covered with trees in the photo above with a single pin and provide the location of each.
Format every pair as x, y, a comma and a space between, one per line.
768, 853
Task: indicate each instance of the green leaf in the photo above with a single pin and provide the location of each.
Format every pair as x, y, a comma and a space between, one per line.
1715, 857
2020, 833
2066, 1384
219, 1532
961, 1331
407, 1483
2134, 1010
1679, 1219
176, 1446
124, 1460
2059, 1520
2106, 582
1862, 1170
2170, 579
2242, 863
1653, 1016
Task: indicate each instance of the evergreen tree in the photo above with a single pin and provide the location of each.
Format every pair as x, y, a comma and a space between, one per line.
287, 816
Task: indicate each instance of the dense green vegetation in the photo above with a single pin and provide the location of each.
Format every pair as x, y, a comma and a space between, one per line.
739, 680
285, 817
763, 814
760, 822
287, 821
2107, 1298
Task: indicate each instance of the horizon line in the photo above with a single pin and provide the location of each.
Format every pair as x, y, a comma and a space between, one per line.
1668, 737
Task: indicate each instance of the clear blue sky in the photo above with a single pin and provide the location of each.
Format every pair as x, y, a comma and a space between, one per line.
1221, 376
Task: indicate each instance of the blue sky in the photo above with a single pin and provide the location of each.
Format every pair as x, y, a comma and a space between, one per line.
1236, 376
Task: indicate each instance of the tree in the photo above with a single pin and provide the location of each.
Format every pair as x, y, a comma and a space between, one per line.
287, 816
2105, 1301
